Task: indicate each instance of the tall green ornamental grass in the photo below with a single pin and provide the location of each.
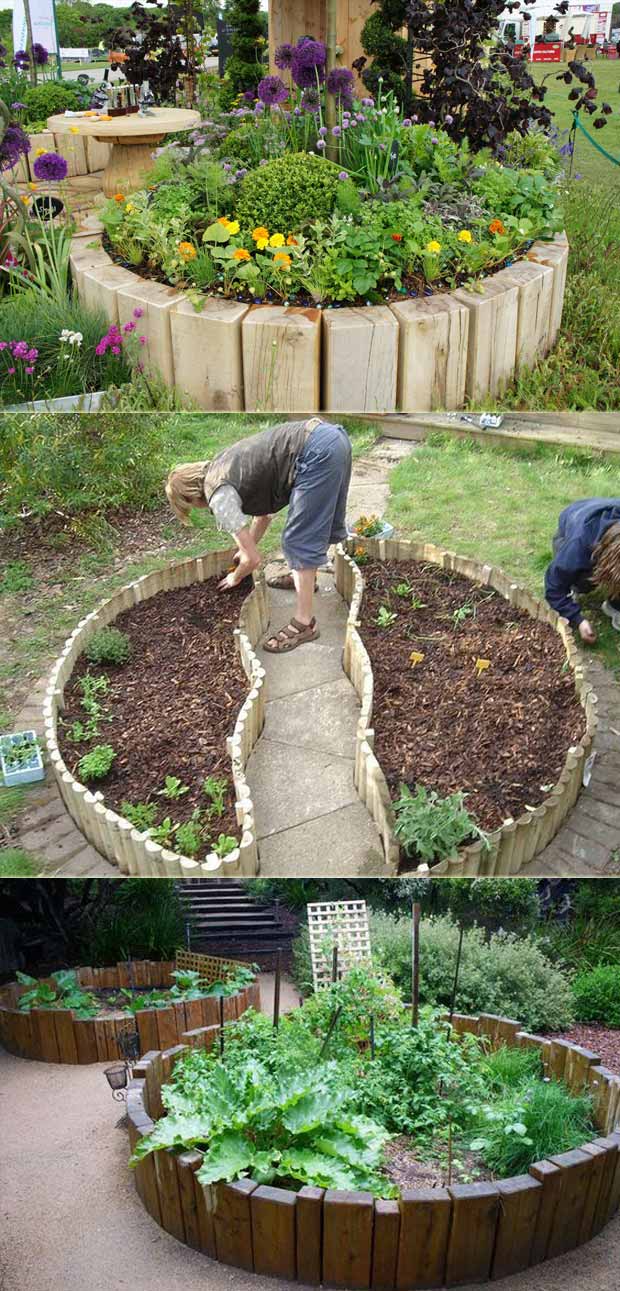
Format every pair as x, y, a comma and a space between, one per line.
61, 368
140, 924
537, 1120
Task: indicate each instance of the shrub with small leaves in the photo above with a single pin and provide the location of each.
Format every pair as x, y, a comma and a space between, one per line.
96, 764
288, 192
430, 828
597, 995
109, 645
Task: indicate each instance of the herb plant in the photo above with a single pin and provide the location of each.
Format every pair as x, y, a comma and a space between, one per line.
430, 828
108, 646
96, 764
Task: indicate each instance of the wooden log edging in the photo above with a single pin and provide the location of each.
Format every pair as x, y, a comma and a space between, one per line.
56, 1035
429, 1237
108, 832
417, 355
518, 841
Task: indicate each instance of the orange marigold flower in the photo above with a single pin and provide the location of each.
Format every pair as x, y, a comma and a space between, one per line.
241, 254
187, 251
282, 260
224, 220
119, 197
260, 233
397, 237
496, 226
291, 241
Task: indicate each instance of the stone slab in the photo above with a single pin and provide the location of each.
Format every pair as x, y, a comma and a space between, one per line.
290, 786
323, 719
344, 843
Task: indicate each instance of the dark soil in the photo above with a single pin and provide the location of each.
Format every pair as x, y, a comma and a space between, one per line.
173, 704
605, 1041
407, 1170
500, 737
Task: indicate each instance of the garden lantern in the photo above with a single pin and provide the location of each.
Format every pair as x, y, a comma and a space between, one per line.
117, 1077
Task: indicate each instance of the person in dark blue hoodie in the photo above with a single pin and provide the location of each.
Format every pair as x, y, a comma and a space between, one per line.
586, 555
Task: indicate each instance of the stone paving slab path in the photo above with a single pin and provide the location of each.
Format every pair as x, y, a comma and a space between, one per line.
72, 1220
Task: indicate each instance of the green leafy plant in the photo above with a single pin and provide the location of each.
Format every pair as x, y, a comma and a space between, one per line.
96, 764
108, 646
164, 832
597, 995
173, 788
216, 790
65, 993
141, 814
189, 835
288, 193
385, 618
224, 845
538, 1120
430, 828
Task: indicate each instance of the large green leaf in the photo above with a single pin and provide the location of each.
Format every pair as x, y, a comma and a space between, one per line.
174, 1132
308, 1113
25, 980
225, 1159
310, 1166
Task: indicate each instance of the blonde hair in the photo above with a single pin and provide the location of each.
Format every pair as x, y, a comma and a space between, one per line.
606, 561
185, 489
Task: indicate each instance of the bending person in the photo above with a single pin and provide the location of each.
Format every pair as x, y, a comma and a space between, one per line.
586, 555
305, 465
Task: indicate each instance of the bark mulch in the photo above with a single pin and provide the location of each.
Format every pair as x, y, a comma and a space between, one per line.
404, 1167
602, 1040
501, 736
172, 705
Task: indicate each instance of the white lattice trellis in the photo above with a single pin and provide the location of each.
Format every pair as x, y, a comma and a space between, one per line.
337, 923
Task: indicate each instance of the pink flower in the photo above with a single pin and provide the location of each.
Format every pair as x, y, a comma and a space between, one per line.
3, 345
32, 355
143, 340
101, 347
29, 371
129, 327
138, 313
116, 349
11, 371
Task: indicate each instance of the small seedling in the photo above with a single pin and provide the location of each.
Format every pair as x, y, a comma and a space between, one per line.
109, 645
215, 790
482, 665
385, 618
173, 788
189, 835
416, 657
18, 754
96, 764
164, 833
141, 814
464, 612
225, 845
403, 590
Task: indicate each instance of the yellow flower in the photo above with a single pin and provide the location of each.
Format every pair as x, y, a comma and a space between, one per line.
262, 243
464, 236
40, 152
241, 254
282, 260
433, 247
481, 666
130, 207
224, 220
25, 200
261, 234
416, 657
187, 251
277, 240
73, 130
233, 227
33, 187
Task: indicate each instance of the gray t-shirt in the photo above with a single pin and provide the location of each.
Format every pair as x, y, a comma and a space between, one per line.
226, 507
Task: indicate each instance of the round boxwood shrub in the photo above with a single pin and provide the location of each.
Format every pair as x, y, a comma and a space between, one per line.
288, 193
597, 995
51, 97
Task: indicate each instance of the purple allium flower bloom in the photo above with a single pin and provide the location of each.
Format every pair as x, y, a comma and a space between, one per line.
249, 96
308, 63
320, 143
263, 161
343, 174
415, 119
272, 90
14, 145
434, 139
310, 99
340, 82
17, 107
259, 109
50, 165
241, 173
407, 121
21, 59
368, 103
40, 54
322, 131
227, 166
284, 56
336, 132
449, 118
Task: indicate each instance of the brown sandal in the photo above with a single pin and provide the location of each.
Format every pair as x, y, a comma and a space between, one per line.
284, 583
294, 634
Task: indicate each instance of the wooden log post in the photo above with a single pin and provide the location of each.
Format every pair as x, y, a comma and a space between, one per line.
475, 1212
347, 1238
423, 1242
272, 1213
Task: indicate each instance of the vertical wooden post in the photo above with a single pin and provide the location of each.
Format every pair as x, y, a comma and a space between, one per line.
30, 42
276, 990
372, 1035
456, 973
416, 911
221, 1025
332, 150
335, 964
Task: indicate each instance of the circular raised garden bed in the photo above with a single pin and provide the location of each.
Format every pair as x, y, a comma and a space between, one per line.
202, 675
433, 352
463, 690
428, 1237
55, 1034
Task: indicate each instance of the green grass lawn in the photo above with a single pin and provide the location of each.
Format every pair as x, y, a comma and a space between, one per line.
500, 506
587, 161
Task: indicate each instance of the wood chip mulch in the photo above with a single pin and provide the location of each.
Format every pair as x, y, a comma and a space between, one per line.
602, 1040
500, 735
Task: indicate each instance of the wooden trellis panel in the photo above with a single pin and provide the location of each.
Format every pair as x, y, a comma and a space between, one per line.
210, 967
337, 923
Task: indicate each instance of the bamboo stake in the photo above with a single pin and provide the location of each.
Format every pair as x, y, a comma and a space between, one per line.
276, 990
416, 912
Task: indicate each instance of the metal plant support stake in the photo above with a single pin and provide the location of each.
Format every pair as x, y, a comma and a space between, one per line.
330, 1030
276, 990
456, 973
221, 1025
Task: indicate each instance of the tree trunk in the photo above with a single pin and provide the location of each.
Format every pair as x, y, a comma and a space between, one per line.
331, 115
30, 42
